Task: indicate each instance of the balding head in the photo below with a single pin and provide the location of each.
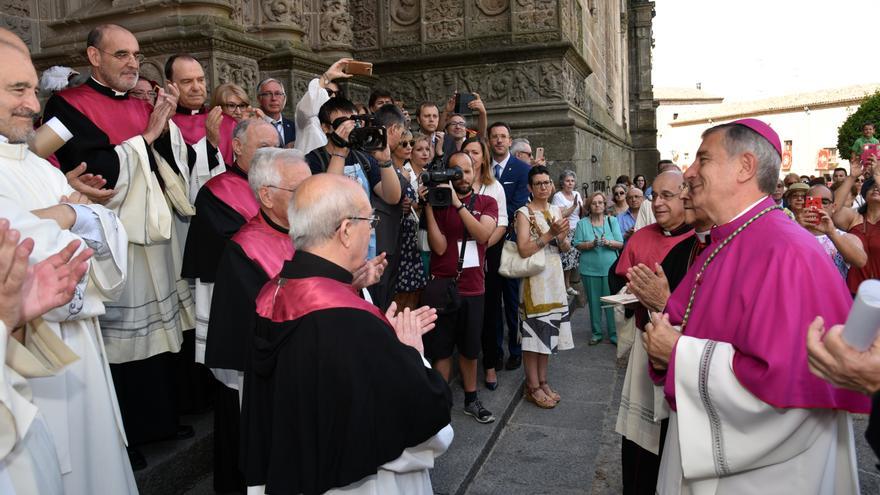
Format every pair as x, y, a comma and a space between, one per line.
667, 204
248, 136
322, 219
10, 38
18, 99
115, 56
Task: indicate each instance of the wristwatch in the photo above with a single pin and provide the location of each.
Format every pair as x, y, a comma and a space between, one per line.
460, 207
386, 164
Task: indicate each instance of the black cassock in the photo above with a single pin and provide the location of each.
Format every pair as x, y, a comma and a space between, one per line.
330, 394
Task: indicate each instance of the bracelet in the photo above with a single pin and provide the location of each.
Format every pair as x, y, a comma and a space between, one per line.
540, 243
386, 164
340, 155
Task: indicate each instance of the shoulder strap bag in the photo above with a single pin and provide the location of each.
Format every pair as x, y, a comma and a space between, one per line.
515, 266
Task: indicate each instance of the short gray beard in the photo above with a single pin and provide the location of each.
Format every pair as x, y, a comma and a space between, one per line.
19, 138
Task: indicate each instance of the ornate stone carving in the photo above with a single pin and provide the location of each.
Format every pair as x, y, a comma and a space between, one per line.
365, 24
283, 11
245, 74
492, 7
15, 16
243, 12
405, 12
335, 27
444, 19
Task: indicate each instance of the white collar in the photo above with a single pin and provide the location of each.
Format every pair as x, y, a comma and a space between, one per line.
748, 208
3, 139
702, 236
115, 93
503, 163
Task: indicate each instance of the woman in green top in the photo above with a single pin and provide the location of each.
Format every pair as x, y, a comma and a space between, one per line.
598, 239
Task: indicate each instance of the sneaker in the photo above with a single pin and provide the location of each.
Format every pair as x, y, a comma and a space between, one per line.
480, 413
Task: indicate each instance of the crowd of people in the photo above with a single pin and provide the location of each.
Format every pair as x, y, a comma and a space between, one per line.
312, 279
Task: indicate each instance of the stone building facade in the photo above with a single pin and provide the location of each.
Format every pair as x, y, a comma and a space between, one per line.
574, 76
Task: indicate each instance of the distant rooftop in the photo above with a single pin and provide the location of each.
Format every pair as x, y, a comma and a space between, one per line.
682, 95
849, 95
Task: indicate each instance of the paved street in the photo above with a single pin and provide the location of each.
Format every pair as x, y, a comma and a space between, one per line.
571, 449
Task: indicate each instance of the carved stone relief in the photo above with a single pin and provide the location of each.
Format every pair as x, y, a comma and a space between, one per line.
335, 29
513, 83
244, 73
405, 12
444, 19
15, 15
283, 12
243, 12
492, 7
365, 24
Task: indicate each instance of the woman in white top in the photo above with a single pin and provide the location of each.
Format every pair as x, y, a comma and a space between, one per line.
572, 206
487, 185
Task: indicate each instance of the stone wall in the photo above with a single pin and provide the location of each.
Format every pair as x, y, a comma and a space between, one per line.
571, 75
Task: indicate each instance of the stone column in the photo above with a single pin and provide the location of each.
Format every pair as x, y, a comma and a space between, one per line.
642, 108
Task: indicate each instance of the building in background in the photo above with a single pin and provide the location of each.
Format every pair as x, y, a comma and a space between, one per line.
807, 123
573, 76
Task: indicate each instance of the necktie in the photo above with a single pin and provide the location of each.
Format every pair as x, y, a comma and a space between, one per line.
280, 129
497, 171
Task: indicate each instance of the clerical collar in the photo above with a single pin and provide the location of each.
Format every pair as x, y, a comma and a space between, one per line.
272, 224
189, 111
677, 232
235, 169
3, 139
703, 236
106, 90
305, 265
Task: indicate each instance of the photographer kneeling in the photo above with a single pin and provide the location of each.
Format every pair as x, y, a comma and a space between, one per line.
360, 160
457, 270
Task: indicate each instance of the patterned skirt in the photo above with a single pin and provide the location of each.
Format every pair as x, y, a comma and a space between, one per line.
545, 324
411, 276
570, 258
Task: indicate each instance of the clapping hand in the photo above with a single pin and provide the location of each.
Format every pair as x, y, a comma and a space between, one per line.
559, 228
651, 287
89, 184
369, 273
411, 325
212, 125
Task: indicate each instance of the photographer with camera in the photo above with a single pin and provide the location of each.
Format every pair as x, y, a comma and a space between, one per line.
458, 234
339, 156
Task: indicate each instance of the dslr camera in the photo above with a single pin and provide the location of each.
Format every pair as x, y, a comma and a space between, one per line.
435, 174
367, 135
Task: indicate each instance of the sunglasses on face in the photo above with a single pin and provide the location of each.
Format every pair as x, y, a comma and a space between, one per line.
408, 144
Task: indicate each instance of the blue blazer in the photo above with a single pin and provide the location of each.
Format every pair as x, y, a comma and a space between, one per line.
289, 131
515, 181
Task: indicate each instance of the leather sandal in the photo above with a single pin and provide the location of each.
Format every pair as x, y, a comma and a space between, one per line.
544, 403
550, 392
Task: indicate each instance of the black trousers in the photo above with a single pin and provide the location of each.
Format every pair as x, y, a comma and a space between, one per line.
195, 383
147, 395
492, 306
641, 467
227, 418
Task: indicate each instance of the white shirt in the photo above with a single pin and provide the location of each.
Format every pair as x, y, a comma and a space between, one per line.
502, 163
494, 190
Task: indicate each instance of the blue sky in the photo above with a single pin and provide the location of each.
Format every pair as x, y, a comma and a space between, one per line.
752, 49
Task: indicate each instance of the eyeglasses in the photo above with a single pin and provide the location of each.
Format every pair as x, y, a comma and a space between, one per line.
457, 124
282, 188
408, 144
123, 55
276, 94
235, 106
373, 219
141, 94
669, 196
543, 183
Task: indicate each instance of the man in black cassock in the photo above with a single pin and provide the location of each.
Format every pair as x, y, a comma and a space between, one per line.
223, 205
122, 139
653, 286
337, 394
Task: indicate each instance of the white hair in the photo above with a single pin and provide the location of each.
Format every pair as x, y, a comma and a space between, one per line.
316, 222
519, 144
739, 139
265, 165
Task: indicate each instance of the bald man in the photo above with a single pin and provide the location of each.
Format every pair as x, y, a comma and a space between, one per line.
647, 246
365, 402
843, 248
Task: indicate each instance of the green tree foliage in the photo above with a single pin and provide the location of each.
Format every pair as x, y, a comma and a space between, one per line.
869, 111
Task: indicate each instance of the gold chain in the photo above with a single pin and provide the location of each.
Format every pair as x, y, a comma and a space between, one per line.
699, 278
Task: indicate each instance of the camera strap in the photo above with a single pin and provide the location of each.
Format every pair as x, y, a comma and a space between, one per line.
464, 238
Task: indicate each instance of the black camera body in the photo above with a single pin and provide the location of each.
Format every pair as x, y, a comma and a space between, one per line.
435, 174
367, 135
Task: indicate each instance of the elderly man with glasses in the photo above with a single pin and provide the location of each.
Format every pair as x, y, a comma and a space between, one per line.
627, 219
272, 98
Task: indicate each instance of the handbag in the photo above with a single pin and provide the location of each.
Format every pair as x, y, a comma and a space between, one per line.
515, 266
441, 293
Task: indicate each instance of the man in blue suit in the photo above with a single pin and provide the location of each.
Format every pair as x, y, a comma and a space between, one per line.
272, 98
514, 177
